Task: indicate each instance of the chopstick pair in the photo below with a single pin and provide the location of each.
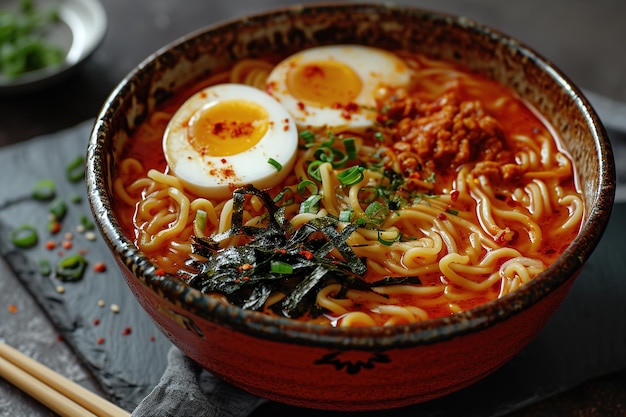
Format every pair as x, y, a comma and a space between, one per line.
53, 390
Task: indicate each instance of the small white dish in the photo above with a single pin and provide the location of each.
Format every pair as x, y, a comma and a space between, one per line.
81, 29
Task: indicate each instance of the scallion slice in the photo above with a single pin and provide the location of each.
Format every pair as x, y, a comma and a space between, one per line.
350, 146
388, 242
71, 268
307, 185
307, 136
279, 267
44, 189
75, 170
351, 176
58, 209
314, 170
345, 216
275, 164
311, 205
376, 212
25, 236
201, 219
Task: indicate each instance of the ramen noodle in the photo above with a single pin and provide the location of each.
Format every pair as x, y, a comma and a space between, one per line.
459, 193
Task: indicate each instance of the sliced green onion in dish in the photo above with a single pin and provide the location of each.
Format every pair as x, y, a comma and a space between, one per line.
307, 136
286, 195
307, 185
351, 176
71, 268
388, 242
345, 216
201, 219
350, 146
25, 236
45, 189
275, 164
313, 170
311, 205
279, 267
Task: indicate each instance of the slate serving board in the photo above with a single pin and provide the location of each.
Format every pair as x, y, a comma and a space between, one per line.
126, 352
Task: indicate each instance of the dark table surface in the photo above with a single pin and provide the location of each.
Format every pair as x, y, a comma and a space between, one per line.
586, 39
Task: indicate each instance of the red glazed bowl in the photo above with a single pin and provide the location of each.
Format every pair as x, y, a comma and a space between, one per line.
336, 368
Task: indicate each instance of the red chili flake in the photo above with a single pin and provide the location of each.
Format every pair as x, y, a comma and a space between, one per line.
59, 338
224, 160
96, 322
55, 227
100, 341
126, 331
152, 338
442, 216
12, 308
246, 278
67, 244
308, 255
454, 195
99, 267
281, 251
50, 245
159, 272
300, 106
245, 267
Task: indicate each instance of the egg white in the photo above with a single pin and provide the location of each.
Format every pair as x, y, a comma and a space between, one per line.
375, 67
215, 176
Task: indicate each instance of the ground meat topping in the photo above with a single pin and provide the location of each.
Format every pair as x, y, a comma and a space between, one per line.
446, 133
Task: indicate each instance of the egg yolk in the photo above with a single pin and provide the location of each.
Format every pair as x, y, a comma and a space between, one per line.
228, 127
324, 83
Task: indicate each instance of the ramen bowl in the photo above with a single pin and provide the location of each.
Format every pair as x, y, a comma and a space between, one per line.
359, 368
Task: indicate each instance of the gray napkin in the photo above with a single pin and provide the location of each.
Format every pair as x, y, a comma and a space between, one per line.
185, 390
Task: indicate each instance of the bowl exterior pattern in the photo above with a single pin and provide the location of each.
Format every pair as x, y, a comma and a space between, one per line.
338, 369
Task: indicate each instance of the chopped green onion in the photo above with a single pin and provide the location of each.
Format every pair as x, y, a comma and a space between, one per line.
376, 212
44, 190
86, 223
350, 146
314, 170
76, 198
307, 185
452, 211
279, 267
24, 236
388, 242
201, 219
311, 204
351, 176
431, 178
286, 194
275, 164
58, 209
345, 216
379, 136
71, 268
307, 136
75, 170
44, 267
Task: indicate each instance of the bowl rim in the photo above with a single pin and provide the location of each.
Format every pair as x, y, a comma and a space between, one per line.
299, 332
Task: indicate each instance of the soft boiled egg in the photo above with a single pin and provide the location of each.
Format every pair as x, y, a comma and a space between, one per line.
335, 87
230, 135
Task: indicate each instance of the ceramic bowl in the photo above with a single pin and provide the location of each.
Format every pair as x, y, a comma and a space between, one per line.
335, 368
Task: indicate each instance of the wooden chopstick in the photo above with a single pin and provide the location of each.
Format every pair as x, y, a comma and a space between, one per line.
58, 393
